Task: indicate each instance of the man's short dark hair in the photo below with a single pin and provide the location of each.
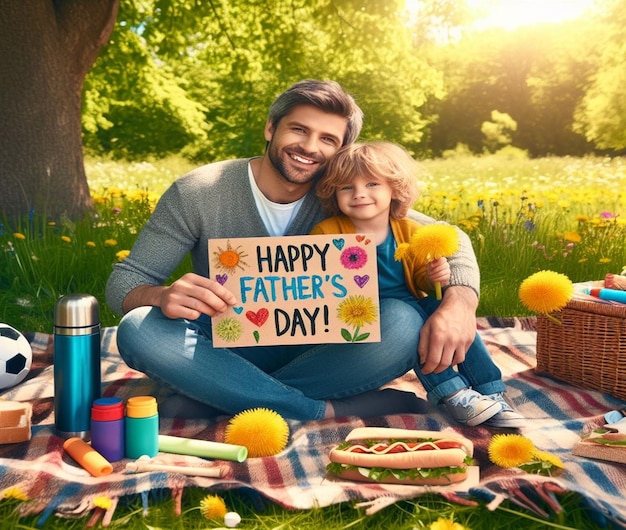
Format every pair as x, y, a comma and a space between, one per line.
327, 96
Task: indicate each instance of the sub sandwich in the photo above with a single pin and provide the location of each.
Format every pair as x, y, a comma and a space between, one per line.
402, 456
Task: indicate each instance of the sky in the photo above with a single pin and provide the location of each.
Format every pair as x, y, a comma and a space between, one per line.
511, 14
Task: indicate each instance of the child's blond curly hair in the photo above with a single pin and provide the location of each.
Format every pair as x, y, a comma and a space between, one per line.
384, 160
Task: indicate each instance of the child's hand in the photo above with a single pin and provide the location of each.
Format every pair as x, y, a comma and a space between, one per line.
439, 271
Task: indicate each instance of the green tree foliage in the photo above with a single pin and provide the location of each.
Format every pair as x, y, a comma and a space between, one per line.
134, 104
537, 75
197, 76
601, 116
497, 132
201, 75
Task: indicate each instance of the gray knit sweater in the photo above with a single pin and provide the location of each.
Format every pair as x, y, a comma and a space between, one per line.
216, 201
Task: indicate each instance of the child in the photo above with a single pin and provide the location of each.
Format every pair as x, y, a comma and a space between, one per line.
369, 188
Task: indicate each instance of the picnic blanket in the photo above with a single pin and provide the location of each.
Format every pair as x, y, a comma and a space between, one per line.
557, 414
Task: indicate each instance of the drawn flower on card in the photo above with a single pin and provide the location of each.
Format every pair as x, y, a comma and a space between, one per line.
356, 311
230, 259
229, 329
353, 258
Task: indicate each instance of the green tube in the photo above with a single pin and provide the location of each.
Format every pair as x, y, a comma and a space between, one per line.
203, 448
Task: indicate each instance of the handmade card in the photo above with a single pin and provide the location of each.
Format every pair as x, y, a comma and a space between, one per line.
297, 290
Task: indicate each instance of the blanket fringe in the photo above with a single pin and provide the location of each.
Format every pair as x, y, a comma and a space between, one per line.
377, 504
177, 495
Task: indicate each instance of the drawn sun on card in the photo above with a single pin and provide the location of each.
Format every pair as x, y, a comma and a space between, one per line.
356, 311
230, 259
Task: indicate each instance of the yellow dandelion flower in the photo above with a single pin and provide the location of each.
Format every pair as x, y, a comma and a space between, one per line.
121, 255
91, 244
102, 502
357, 310
546, 291
51, 223
213, 507
110, 242
604, 260
263, 431
66, 239
573, 237
434, 241
401, 251
468, 225
510, 450
445, 524
19, 235
14, 493
581, 218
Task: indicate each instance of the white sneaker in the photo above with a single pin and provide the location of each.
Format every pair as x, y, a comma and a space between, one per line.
508, 417
470, 408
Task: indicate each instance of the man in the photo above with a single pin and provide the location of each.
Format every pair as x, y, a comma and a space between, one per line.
166, 330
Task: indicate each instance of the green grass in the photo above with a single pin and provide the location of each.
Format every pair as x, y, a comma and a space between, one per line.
523, 216
416, 514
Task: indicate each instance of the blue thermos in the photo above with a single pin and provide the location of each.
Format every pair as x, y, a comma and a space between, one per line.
76, 363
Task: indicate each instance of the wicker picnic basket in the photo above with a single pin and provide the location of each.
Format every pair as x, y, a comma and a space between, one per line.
588, 348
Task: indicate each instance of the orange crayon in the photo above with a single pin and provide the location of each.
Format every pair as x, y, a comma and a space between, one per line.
87, 457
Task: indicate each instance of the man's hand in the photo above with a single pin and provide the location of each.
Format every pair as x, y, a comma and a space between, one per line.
188, 297
449, 331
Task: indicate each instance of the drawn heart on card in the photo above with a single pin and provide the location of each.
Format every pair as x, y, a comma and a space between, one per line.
363, 239
339, 243
258, 318
238, 310
221, 278
361, 280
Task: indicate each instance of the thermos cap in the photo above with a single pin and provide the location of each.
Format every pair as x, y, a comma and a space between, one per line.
76, 311
141, 407
107, 409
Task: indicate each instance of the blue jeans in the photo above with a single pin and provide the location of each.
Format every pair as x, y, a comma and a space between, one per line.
294, 381
478, 371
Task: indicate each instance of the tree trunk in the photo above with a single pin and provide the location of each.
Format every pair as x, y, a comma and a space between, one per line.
46, 49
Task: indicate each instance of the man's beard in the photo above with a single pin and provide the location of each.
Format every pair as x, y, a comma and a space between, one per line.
293, 175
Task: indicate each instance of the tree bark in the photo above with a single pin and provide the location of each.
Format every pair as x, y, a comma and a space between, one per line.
46, 49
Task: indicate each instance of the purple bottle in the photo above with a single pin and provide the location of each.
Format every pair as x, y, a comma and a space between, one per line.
107, 428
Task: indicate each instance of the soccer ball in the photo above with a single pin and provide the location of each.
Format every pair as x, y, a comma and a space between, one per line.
15, 356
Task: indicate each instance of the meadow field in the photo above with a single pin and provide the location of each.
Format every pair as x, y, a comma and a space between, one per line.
560, 214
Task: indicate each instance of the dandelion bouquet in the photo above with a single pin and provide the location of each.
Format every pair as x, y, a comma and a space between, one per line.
515, 450
430, 243
545, 292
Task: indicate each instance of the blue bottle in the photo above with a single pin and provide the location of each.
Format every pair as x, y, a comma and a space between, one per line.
77, 377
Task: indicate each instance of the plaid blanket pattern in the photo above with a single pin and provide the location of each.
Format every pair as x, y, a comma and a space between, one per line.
296, 479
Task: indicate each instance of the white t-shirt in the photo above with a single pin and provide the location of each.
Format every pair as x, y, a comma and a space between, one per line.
276, 216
